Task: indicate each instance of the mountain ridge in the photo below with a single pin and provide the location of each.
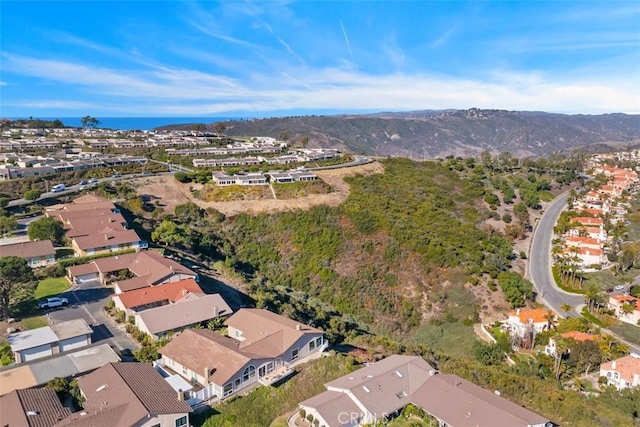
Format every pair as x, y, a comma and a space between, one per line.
439, 133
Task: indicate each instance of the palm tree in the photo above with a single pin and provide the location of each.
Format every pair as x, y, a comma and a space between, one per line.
550, 316
590, 296
627, 308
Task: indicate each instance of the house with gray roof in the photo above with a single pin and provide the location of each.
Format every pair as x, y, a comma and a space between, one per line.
67, 365
190, 310
42, 342
381, 390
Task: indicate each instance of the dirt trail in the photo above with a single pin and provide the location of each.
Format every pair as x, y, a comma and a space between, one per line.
171, 193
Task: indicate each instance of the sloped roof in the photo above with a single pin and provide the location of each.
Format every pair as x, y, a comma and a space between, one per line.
385, 386
171, 292
98, 240
458, 402
537, 315
579, 336
203, 350
331, 405
258, 326
31, 408
184, 313
28, 249
626, 366
135, 388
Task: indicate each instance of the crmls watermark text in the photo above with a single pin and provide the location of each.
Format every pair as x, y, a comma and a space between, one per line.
354, 417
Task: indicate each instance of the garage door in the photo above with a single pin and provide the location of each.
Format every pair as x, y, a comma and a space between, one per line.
86, 277
72, 343
36, 352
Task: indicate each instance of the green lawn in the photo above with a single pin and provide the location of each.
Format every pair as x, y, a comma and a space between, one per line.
34, 322
629, 332
51, 286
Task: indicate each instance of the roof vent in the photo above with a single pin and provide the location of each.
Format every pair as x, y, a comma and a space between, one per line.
32, 413
102, 387
399, 374
365, 388
497, 392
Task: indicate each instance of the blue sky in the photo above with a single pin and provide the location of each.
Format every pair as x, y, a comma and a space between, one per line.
269, 58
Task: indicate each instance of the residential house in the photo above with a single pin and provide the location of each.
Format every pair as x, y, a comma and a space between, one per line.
128, 394
109, 241
91, 230
623, 372
381, 390
551, 348
148, 268
66, 365
42, 342
145, 298
617, 303
38, 254
260, 346
529, 320
31, 408
190, 310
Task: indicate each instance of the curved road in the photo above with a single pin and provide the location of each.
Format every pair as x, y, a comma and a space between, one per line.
540, 268
540, 261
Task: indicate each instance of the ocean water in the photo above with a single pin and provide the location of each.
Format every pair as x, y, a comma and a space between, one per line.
137, 123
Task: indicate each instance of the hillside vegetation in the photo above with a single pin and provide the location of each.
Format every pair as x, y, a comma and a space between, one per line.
379, 255
438, 134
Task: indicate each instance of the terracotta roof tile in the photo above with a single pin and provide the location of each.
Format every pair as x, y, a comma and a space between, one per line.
171, 292
626, 366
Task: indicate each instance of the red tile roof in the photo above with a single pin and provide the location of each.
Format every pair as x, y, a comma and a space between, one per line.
169, 291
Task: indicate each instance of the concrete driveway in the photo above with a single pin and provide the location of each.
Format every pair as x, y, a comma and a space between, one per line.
86, 301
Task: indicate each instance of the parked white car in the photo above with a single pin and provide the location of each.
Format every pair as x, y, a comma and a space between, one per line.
53, 302
619, 287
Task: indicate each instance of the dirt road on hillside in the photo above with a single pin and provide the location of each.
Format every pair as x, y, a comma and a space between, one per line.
170, 193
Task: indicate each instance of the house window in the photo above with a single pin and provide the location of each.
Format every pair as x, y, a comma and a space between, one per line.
157, 425
185, 371
238, 334
236, 383
182, 421
228, 389
295, 353
312, 345
270, 367
248, 373
262, 371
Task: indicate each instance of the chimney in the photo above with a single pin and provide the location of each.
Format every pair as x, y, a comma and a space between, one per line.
517, 312
207, 370
180, 395
613, 365
216, 311
298, 327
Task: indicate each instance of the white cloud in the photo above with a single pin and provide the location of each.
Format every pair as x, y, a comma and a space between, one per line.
168, 90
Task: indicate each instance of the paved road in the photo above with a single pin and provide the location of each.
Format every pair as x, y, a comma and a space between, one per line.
540, 268
540, 261
86, 301
70, 189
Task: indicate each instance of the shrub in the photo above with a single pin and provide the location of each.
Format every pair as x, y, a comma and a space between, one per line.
303, 414
182, 177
